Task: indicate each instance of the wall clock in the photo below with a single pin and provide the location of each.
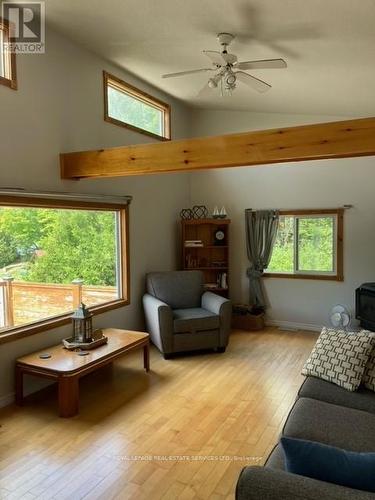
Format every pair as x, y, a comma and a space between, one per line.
219, 236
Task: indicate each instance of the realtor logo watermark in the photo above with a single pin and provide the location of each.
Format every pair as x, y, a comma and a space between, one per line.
26, 27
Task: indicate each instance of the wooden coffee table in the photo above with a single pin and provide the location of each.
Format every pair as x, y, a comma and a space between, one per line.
66, 367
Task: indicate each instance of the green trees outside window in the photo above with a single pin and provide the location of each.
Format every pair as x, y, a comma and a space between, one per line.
132, 111
130, 107
58, 246
305, 245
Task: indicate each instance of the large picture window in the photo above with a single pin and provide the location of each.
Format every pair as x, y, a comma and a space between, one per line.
308, 245
7, 59
132, 108
53, 257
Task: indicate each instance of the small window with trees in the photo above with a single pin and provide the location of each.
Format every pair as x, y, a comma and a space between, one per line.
8, 75
55, 255
132, 108
309, 244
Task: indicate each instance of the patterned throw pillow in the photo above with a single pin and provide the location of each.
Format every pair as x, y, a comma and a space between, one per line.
340, 357
369, 375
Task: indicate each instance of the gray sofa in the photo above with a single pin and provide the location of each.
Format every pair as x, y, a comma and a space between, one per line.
325, 413
181, 316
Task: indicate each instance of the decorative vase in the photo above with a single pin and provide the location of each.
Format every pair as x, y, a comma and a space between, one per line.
223, 281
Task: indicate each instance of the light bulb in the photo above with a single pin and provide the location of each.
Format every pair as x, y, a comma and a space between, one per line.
230, 80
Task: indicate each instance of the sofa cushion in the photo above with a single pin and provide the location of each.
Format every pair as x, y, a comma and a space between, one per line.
328, 463
340, 357
369, 374
345, 428
178, 289
264, 483
315, 388
194, 319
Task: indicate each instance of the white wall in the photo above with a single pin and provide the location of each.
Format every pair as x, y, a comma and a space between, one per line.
319, 184
205, 122
59, 108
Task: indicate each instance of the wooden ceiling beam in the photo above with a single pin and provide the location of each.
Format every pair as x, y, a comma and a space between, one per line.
342, 139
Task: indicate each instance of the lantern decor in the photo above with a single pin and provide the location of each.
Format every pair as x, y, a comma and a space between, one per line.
83, 336
82, 324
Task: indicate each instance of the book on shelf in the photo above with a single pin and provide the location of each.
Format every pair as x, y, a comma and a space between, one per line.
210, 286
219, 263
193, 243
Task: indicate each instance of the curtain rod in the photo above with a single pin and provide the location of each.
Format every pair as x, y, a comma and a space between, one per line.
345, 207
56, 195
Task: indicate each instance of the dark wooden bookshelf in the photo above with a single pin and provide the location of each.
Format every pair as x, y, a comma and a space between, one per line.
204, 257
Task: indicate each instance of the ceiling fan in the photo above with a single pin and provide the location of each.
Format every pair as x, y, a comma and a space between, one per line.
228, 70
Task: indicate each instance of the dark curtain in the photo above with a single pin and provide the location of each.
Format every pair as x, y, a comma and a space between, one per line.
261, 231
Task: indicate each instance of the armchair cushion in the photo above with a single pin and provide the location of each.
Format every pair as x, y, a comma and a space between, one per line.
194, 319
178, 289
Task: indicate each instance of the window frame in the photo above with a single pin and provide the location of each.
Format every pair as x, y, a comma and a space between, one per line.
9, 58
122, 259
122, 86
338, 274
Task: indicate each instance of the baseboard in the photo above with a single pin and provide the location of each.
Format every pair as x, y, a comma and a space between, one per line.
310, 327
7, 400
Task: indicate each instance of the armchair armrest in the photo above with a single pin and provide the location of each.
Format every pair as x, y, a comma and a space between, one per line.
214, 303
273, 484
222, 307
159, 322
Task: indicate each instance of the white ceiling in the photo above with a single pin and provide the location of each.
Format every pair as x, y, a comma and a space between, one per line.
329, 46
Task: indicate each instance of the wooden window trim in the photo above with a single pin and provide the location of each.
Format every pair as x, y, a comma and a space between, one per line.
57, 321
339, 275
10, 59
142, 96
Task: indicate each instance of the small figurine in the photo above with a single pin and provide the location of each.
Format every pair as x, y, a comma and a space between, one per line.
223, 213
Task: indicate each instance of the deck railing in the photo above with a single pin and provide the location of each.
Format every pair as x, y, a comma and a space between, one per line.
25, 302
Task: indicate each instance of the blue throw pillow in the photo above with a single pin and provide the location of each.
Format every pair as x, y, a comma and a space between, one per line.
327, 463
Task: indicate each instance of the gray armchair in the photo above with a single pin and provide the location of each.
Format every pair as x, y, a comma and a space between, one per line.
180, 316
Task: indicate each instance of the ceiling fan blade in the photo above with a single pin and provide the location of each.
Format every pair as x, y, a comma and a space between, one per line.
262, 64
189, 72
215, 56
251, 81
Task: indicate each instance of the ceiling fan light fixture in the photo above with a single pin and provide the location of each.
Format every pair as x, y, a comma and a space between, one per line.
229, 71
212, 83
230, 79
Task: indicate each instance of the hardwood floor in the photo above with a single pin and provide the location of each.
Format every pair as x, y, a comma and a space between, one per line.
132, 425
